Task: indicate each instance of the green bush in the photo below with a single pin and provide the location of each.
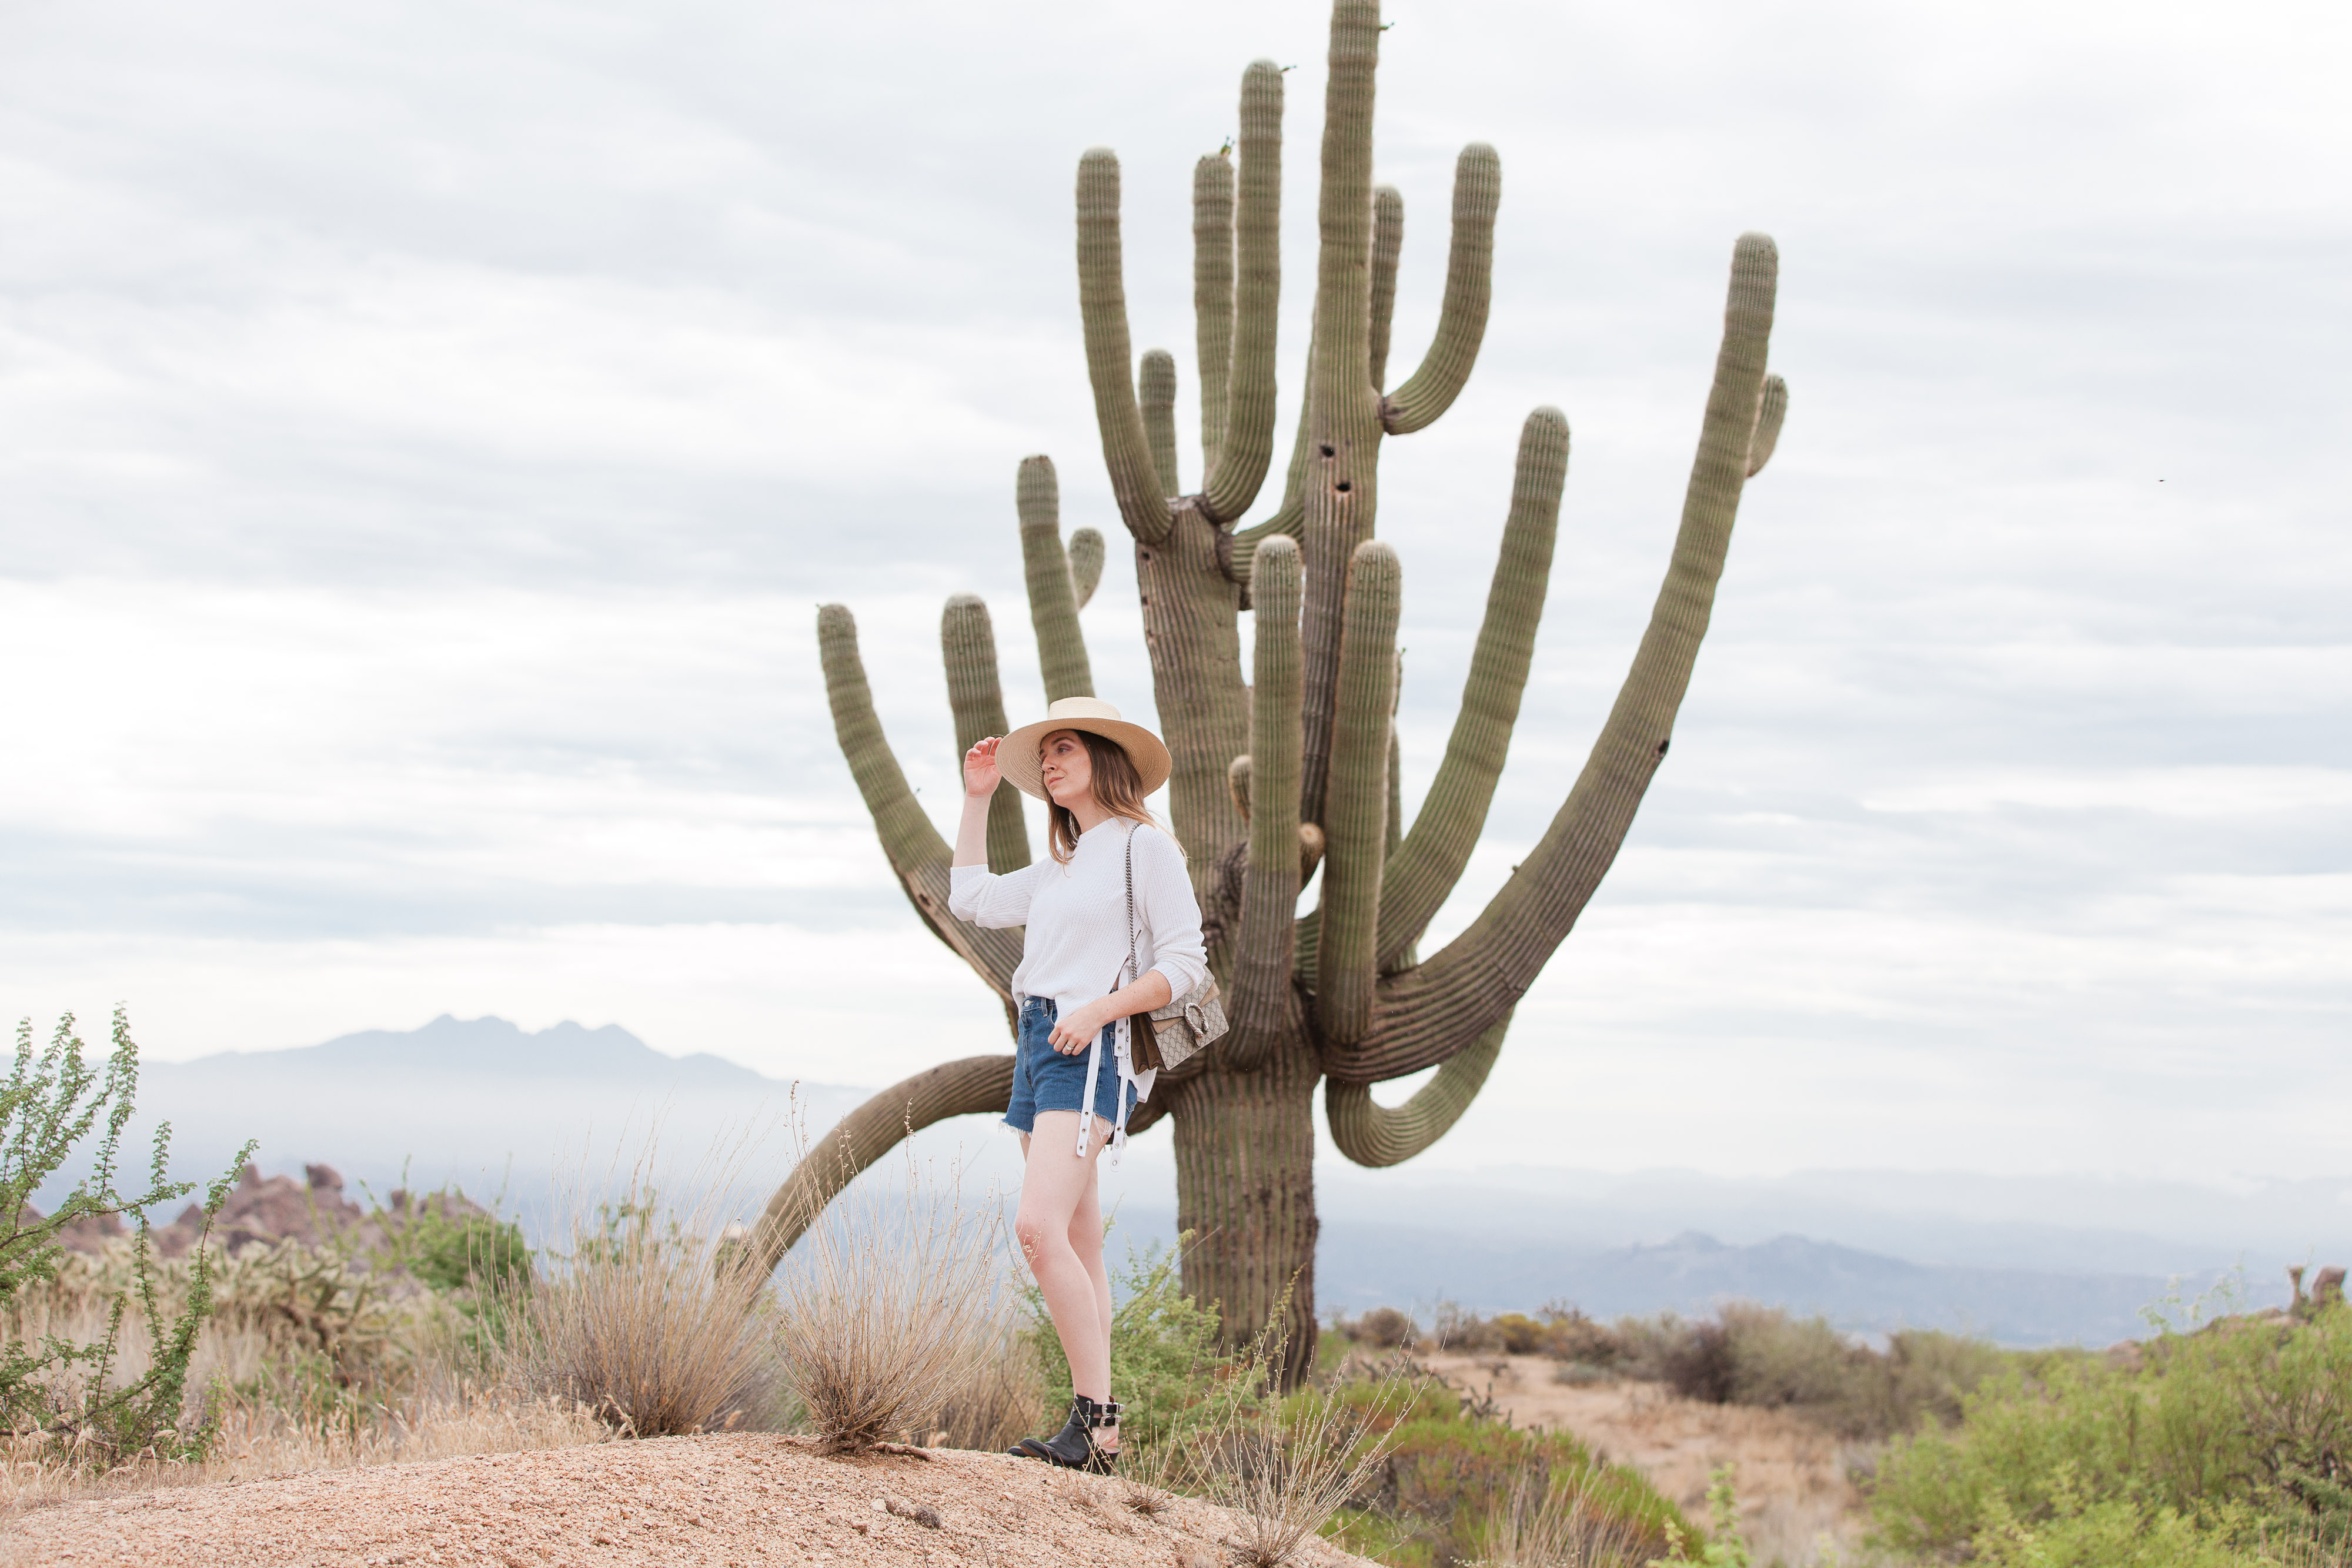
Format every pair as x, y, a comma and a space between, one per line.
1447, 1475
51, 1102
2240, 1428
1162, 1349
1766, 1357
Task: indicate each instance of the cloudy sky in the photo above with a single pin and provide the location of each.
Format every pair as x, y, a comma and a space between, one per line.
427, 430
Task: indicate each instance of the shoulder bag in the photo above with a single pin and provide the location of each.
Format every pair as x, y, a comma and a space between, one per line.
1169, 1036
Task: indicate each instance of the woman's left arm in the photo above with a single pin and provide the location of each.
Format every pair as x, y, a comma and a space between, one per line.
1170, 919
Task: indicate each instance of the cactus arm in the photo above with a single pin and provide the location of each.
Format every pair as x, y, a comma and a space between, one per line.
1339, 491
1429, 1013
1054, 596
1374, 1134
1085, 566
1156, 391
1355, 824
1102, 305
1262, 1008
976, 699
971, 1087
918, 855
1212, 295
1769, 415
1290, 520
1446, 831
1469, 289
1388, 238
1232, 480
907, 837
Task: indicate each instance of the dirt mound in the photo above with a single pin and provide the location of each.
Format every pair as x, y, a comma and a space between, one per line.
725, 1500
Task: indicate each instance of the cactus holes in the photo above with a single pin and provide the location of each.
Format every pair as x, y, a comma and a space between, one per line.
1341, 486
1328, 451
1661, 747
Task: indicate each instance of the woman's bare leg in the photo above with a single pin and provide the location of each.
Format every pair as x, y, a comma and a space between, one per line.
1057, 1189
1087, 1242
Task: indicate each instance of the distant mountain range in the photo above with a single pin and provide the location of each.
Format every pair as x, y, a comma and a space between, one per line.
478, 1102
2026, 1260
1693, 1273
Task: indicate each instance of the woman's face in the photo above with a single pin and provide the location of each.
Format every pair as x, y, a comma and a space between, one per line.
1065, 768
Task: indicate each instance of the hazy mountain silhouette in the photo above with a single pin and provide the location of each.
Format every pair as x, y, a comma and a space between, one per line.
479, 1102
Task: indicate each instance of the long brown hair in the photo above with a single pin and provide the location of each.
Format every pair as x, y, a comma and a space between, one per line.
1117, 787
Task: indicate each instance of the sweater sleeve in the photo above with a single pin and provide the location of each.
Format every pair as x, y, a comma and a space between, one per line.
989, 901
1171, 915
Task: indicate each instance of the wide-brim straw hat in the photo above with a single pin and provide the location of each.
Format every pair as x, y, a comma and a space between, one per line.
1016, 754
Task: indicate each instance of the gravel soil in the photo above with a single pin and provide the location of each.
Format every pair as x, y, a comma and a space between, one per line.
737, 1499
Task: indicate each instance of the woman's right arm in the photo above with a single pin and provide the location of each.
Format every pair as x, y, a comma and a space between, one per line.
973, 894
980, 778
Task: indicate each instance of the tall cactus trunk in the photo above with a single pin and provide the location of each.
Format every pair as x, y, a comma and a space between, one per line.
1297, 765
1245, 1191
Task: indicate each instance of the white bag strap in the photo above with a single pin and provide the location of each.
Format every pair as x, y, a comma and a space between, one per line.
1123, 1028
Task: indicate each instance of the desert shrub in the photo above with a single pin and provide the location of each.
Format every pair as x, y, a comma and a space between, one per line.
71, 1390
636, 1324
999, 1395
1382, 1328
1164, 1364
2243, 1427
1765, 1357
882, 1305
1549, 1521
1445, 1478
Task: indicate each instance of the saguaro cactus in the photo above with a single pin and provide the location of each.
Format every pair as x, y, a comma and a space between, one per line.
1298, 763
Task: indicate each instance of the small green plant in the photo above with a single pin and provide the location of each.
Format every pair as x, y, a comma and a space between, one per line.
1725, 1547
1163, 1349
52, 1101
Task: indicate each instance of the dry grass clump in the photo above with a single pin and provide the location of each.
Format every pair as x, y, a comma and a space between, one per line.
1551, 1523
1286, 1466
641, 1324
998, 1396
895, 1321
273, 1420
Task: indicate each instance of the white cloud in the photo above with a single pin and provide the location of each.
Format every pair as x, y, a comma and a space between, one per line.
426, 434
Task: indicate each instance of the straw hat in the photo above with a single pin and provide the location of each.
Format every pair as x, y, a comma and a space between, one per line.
1016, 755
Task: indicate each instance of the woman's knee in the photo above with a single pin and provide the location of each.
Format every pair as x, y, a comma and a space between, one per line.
1036, 1234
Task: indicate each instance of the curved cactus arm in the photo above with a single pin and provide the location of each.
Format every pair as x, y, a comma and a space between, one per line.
1155, 390
1054, 598
1212, 295
971, 1087
1469, 289
1262, 1011
1110, 355
1085, 569
1426, 1013
1388, 238
1375, 1135
917, 853
1453, 814
1355, 822
975, 696
1769, 415
1245, 444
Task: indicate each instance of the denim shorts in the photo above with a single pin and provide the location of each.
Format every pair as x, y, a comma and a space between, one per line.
1045, 1079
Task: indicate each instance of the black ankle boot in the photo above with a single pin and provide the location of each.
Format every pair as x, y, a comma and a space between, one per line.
1072, 1447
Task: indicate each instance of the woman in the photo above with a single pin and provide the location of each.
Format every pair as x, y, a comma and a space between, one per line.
1081, 971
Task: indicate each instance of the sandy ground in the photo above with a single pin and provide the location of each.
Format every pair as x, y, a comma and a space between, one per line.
725, 1500
1791, 1476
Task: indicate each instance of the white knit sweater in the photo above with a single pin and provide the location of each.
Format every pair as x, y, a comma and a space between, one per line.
1077, 915
1075, 949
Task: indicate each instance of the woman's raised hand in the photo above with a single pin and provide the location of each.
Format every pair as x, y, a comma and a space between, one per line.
979, 774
